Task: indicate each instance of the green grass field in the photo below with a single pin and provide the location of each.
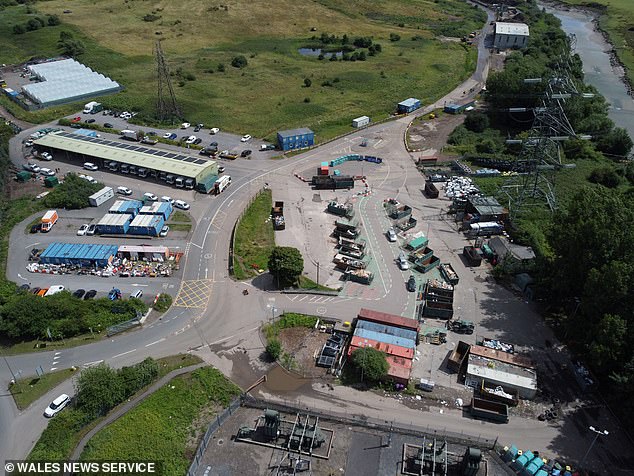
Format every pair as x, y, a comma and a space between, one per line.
29, 389
617, 21
269, 94
254, 238
165, 426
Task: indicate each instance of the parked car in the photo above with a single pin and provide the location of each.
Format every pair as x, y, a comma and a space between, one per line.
90, 121
221, 169
198, 127
267, 147
172, 136
402, 262
164, 231
82, 229
198, 141
124, 191
76, 119
28, 143
47, 172
24, 288
245, 153
57, 405
391, 234
214, 130
79, 293
92, 229
411, 284
185, 125
90, 178
245, 138
107, 125
183, 205
150, 133
138, 294
31, 167
191, 140
168, 199
35, 290
90, 294
46, 156
167, 135
35, 228
90, 166
150, 196
213, 144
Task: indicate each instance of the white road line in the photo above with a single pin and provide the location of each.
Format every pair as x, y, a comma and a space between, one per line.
88, 364
303, 298
122, 353
57, 353
53, 368
155, 342
194, 244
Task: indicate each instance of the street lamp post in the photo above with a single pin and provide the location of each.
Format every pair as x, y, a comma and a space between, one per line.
598, 433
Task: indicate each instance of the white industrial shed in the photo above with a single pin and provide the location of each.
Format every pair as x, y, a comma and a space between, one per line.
66, 81
511, 35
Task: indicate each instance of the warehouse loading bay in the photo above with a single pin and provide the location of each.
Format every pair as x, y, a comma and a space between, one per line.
497, 312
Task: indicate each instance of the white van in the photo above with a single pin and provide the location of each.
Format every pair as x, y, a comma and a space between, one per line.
402, 262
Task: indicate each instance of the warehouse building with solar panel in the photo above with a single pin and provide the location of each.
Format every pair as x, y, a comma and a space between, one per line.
175, 169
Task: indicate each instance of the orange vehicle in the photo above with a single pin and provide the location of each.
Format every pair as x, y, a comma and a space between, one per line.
48, 220
42, 292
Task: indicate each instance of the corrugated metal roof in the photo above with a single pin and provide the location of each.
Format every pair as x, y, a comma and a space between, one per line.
79, 251
101, 192
147, 220
504, 374
377, 316
501, 356
122, 206
409, 102
387, 329
295, 132
114, 219
386, 338
520, 29
132, 154
389, 349
156, 208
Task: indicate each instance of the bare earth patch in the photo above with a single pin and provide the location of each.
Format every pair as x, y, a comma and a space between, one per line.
304, 345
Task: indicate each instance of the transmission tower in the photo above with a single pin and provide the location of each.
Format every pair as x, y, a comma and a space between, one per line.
540, 156
166, 105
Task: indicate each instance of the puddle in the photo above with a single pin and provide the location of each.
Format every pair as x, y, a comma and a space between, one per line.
279, 380
317, 52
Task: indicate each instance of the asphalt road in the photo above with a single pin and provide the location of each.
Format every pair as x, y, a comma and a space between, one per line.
211, 308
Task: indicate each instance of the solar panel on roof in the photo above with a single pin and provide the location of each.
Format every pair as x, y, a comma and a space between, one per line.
162, 153
171, 156
200, 162
190, 159
142, 149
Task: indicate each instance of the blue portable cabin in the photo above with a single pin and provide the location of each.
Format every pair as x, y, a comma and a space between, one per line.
385, 338
533, 467
541, 472
114, 224
149, 225
452, 109
407, 106
157, 208
295, 138
126, 206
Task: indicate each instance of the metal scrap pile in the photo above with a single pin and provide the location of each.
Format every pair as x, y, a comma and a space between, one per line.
460, 187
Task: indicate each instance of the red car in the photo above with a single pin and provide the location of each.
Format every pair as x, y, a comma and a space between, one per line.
76, 119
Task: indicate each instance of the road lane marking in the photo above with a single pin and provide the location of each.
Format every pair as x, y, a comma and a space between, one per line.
155, 342
53, 368
122, 353
90, 364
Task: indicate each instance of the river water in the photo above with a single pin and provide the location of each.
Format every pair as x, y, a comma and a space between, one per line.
597, 68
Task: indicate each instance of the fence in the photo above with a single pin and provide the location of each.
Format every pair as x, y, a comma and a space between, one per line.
211, 429
123, 326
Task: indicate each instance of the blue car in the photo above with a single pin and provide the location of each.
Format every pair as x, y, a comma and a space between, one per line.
114, 294
173, 136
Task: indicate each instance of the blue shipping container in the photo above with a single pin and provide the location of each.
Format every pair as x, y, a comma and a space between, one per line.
407, 106
387, 329
295, 138
82, 254
149, 225
126, 206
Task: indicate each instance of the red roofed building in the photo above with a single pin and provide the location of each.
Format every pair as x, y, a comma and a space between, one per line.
388, 349
390, 319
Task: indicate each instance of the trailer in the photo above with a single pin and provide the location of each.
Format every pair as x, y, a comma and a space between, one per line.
277, 215
400, 211
346, 226
408, 224
348, 234
341, 209
353, 253
359, 275
352, 244
449, 274
345, 262
458, 357
488, 410
131, 135
472, 255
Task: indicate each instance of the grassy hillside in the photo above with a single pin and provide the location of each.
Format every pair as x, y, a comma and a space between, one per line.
617, 20
269, 94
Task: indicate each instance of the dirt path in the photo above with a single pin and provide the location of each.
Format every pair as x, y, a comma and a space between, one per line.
10, 117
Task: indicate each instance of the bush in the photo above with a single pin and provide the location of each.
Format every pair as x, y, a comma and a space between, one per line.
307, 82
306, 100
605, 176
33, 24
394, 37
53, 20
239, 62
72, 194
221, 68
476, 122
370, 363
163, 302
150, 17
274, 349
362, 42
19, 29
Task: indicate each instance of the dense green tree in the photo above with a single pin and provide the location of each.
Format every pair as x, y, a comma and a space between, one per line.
370, 363
286, 265
69, 46
476, 121
138, 376
239, 62
606, 176
616, 143
99, 389
274, 348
